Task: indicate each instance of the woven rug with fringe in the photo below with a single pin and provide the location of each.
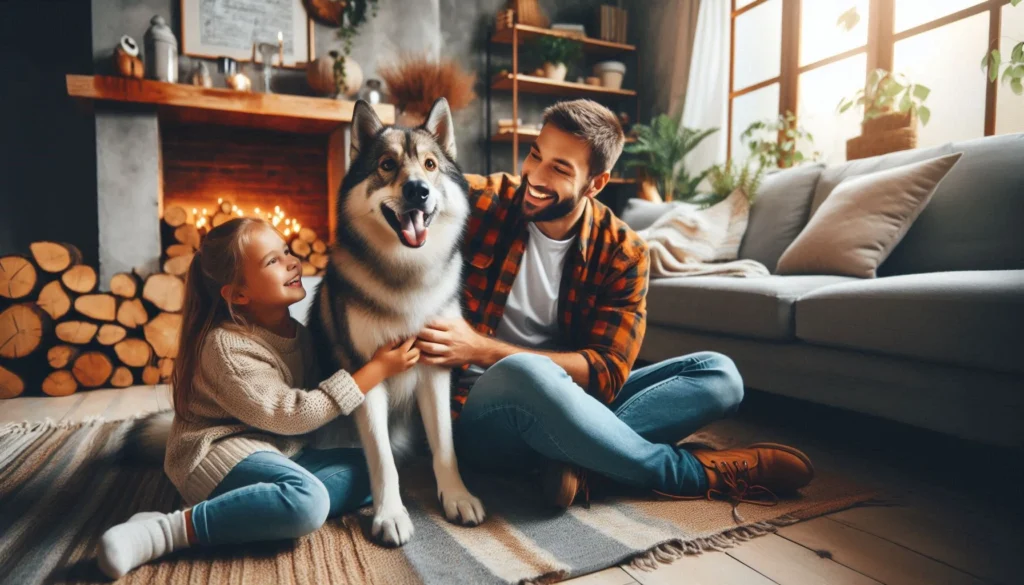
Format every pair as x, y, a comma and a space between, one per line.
62, 485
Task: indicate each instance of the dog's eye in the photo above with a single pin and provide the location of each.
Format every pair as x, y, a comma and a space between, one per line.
387, 165
430, 164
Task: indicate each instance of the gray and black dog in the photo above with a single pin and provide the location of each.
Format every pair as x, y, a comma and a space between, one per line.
386, 279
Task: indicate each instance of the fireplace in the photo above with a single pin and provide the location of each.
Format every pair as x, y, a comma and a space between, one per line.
162, 145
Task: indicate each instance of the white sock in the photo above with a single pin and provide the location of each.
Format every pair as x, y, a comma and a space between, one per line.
144, 537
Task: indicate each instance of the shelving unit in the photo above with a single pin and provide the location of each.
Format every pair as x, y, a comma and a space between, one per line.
518, 83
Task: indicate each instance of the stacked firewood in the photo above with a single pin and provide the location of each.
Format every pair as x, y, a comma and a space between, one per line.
183, 230
60, 334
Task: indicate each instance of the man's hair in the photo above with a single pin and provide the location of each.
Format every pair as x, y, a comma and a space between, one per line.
595, 124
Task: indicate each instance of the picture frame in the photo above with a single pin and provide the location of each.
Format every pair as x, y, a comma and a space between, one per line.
219, 28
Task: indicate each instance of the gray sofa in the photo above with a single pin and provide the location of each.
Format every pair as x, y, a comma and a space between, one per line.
936, 341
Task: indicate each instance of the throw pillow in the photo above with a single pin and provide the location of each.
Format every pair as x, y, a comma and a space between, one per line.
858, 225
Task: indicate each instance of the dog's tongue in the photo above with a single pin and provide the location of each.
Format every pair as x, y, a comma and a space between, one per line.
413, 228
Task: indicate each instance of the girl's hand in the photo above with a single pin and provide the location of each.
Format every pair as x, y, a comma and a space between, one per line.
395, 359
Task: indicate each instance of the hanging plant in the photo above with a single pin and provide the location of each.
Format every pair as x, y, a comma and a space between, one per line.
348, 16
1013, 70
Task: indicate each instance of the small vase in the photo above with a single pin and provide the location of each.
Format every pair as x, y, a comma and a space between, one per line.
555, 71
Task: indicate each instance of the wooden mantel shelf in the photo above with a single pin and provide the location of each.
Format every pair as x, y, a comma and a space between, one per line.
190, 104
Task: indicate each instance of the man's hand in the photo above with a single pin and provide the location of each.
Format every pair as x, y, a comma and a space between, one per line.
450, 343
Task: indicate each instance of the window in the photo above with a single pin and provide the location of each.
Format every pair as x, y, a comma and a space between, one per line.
793, 55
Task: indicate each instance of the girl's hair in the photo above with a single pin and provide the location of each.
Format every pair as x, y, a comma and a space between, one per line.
217, 263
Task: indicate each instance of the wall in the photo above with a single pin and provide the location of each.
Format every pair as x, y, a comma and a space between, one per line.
49, 176
47, 152
400, 26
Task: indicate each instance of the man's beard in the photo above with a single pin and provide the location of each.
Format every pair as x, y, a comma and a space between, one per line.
556, 210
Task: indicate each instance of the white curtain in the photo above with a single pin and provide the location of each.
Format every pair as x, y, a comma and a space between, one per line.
706, 103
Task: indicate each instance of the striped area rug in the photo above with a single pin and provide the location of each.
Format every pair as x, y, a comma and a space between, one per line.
61, 486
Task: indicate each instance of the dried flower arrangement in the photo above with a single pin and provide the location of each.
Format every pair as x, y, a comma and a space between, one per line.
416, 81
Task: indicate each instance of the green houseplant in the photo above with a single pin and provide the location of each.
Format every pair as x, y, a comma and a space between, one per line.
556, 54
775, 143
353, 15
1013, 70
727, 178
661, 147
889, 93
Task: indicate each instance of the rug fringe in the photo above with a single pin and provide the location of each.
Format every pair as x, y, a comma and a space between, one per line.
667, 552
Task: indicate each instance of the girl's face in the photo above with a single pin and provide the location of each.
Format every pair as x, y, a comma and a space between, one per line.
271, 276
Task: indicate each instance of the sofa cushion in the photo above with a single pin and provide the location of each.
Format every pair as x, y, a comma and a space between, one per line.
779, 212
835, 174
970, 318
747, 307
864, 218
973, 221
640, 214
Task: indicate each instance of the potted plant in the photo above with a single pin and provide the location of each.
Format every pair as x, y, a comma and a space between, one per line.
556, 53
763, 140
347, 16
731, 177
662, 146
892, 106
416, 81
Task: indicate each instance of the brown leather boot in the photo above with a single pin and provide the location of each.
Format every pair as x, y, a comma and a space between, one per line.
563, 483
775, 467
753, 475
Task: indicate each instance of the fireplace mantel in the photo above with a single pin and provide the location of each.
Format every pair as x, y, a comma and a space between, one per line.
190, 104
165, 143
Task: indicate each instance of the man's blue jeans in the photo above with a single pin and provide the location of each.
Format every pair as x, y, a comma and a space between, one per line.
267, 496
526, 408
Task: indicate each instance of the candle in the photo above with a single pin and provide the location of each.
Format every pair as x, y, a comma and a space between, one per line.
280, 49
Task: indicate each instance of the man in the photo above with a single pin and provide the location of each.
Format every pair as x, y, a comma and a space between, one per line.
555, 298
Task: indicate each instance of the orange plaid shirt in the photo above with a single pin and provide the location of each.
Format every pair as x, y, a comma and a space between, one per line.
602, 305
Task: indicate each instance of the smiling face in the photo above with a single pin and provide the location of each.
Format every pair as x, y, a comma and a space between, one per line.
271, 276
556, 175
403, 191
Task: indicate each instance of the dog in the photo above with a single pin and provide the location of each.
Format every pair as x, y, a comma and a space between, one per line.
386, 279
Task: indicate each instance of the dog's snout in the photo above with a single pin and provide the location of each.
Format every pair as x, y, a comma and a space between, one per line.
416, 191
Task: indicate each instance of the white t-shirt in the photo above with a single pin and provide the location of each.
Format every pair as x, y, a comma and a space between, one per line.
530, 318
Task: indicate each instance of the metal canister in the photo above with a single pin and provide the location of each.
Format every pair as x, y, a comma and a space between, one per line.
161, 51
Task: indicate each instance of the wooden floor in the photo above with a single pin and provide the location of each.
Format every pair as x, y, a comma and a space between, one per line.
954, 522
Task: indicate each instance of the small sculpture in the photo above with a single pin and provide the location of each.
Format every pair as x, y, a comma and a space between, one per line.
126, 58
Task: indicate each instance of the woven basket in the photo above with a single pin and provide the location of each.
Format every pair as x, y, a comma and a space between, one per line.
892, 121
881, 143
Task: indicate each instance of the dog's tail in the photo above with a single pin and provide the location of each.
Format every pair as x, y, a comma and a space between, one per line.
146, 442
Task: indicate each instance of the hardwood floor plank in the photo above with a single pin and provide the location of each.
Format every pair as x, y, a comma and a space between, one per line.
866, 553
94, 403
713, 568
950, 534
36, 408
132, 401
788, 563
609, 576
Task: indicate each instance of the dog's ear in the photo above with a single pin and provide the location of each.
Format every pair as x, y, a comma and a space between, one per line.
439, 123
365, 126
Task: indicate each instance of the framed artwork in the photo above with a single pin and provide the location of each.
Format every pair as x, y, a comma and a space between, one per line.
228, 28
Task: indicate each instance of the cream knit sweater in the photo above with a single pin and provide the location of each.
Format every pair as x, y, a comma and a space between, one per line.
248, 397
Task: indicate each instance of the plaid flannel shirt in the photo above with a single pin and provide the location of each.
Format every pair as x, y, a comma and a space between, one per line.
602, 305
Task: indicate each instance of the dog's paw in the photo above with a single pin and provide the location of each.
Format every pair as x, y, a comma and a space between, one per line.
392, 527
461, 507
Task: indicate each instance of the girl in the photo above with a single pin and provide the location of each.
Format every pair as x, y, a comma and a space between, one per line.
236, 449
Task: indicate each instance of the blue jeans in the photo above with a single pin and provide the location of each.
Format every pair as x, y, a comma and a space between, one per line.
526, 408
267, 496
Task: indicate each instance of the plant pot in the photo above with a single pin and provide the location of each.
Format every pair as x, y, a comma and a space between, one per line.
611, 73
892, 121
880, 143
555, 71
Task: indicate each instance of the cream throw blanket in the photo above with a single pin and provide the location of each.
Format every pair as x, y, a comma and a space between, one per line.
689, 241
